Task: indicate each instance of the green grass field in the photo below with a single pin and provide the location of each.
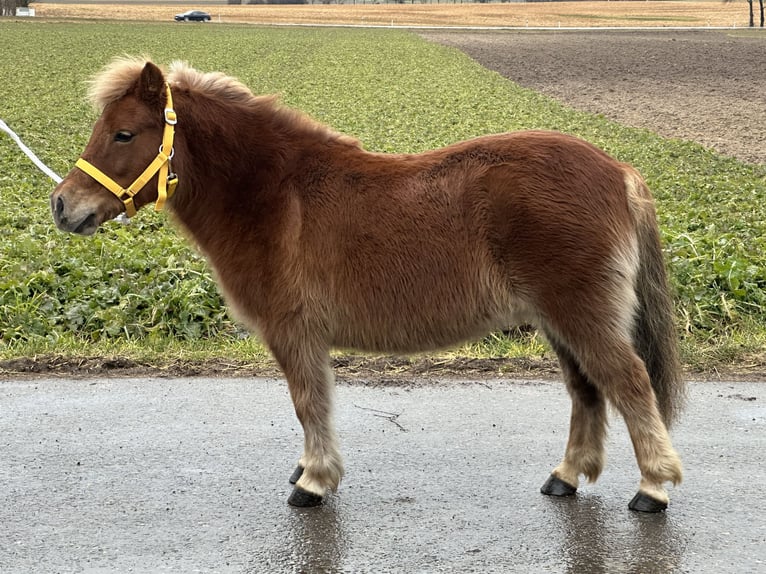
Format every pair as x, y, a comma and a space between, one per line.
141, 290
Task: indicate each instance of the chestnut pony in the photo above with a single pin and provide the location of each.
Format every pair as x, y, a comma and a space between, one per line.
317, 243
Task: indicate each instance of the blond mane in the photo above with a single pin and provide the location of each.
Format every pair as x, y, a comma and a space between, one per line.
118, 77
215, 83
114, 80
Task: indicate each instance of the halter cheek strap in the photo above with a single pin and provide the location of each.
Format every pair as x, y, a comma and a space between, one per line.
167, 180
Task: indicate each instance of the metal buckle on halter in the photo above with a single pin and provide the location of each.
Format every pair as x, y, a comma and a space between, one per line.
172, 183
172, 152
170, 116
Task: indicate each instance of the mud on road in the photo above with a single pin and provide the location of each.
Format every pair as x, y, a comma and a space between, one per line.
702, 86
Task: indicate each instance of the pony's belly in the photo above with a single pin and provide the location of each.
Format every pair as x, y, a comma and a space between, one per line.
412, 332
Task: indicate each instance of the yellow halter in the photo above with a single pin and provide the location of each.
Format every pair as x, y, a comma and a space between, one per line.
167, 182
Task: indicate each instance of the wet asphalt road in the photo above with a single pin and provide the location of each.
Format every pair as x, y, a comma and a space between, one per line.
190, 475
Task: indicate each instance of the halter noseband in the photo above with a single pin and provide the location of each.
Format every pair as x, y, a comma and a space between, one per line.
167, 180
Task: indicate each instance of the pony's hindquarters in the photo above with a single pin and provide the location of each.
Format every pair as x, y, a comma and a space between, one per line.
613, 332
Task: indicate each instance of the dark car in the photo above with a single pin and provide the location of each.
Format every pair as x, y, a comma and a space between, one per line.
192, 15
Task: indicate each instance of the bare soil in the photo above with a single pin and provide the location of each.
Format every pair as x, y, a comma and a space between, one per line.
347, 368
354, 369
702, 86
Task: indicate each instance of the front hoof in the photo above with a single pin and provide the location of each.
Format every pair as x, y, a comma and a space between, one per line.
645, 503
297, 473
304, 498
554, 486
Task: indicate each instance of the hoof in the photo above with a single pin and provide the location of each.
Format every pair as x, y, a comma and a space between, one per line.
645, 503
304, 498
297, 473
554, 486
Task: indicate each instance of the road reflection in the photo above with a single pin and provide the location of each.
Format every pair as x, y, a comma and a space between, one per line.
312, 541
595, 541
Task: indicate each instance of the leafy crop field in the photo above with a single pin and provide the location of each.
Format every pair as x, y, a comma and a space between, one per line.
141, 289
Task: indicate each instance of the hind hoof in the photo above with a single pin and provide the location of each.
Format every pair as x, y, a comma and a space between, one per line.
297, 473
304, 498
645, 503
554, 486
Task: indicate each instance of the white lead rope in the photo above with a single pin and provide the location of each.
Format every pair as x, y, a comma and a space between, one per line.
30, 154
42, 167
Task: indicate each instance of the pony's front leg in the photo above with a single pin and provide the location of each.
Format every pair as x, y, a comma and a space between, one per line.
310, 381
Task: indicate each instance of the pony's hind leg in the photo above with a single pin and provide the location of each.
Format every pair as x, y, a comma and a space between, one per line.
310, 381
614, 368
658, 461
587, 430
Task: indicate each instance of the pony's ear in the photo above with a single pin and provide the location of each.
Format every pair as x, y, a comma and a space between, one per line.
151, 84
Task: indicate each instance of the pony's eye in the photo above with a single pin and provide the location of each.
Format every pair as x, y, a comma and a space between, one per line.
123, 137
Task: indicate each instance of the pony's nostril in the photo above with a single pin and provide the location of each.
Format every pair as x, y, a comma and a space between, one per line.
59, 206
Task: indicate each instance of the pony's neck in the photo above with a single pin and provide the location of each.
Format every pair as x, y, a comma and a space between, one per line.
229, 160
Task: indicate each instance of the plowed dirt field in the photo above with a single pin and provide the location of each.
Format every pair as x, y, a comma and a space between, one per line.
703, 86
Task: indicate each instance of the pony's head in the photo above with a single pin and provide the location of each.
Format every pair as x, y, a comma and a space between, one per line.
120, 168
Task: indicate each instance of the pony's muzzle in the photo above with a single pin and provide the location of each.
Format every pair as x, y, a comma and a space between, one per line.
72, 215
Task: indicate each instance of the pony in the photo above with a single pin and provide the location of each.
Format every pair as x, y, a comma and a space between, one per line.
317, 243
